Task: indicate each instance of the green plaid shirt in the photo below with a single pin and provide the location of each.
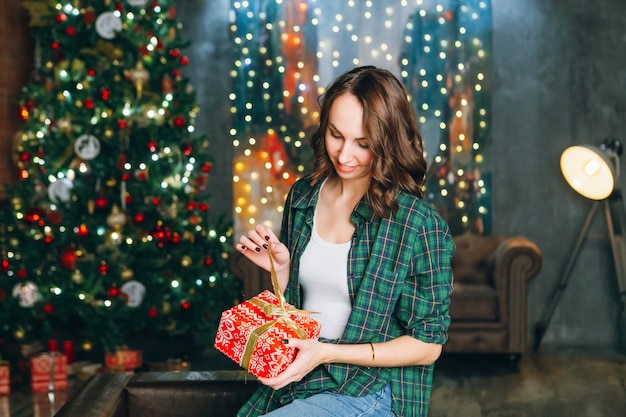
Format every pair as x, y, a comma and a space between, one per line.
399, 279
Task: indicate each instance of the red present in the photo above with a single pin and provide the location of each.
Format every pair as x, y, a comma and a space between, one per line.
123, 358
44, 366
5, 381
251, 334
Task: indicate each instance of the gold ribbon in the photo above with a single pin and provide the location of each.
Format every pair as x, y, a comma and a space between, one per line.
280, 311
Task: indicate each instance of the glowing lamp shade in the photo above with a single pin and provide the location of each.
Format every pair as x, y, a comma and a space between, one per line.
589, 170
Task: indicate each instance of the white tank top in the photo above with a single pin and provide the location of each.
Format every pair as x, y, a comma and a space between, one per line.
324, 280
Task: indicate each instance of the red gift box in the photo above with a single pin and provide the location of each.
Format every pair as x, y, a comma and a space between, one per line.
45, 365
5, 381
251, 333
123, 358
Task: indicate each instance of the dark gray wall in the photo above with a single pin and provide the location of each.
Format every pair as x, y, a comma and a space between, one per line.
559, 79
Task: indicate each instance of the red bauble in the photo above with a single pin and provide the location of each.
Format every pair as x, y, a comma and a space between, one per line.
207, 167
208, 261
91, 72
113, 292
105, 93
67, 258
139, 218
48, 308
184, 60
175, 53
103, 268
152, 146
185, 304
55, 45
179, 122
123, 124
153, 312
89, 104
22, 273
70, 31
5, 265
89, 16
101, 202
186, 149
60, 17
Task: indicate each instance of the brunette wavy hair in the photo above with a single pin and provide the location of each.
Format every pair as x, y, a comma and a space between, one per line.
390, 128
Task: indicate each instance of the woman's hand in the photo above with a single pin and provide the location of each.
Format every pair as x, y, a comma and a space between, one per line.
310, 354
254, 247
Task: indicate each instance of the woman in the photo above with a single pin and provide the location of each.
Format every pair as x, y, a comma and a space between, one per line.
360, 246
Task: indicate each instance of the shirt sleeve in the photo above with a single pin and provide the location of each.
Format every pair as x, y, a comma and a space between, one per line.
425, 300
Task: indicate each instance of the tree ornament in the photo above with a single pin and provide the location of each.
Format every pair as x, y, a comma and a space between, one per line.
60, 190
77, 276
87, 147
116, 220
179, 121
107, 24
67, 258
186, 261
140, 76
137, 3
133, 292
89, 16
19, 333
167, 84
126, 274
87, 345
27, 292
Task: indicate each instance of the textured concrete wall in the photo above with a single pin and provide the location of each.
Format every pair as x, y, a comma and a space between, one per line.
559, 79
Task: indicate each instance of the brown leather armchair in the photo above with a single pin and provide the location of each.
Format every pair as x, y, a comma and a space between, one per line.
489, 306
161, 394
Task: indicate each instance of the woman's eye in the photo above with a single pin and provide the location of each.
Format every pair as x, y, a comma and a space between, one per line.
364, 145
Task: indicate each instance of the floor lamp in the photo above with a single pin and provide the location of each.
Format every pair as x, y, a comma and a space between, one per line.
593, 172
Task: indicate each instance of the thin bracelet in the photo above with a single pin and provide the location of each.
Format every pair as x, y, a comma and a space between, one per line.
373, 353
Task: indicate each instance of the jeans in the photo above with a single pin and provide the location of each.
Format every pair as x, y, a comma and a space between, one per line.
328, 404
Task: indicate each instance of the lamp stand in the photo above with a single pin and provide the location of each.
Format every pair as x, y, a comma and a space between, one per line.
613, 207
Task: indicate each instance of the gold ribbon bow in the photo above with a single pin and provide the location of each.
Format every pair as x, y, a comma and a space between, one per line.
281, 312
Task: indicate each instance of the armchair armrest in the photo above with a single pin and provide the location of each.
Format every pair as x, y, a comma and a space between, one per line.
101, 396
516, 261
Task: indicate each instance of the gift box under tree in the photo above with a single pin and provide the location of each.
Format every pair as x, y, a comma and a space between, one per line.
124, 359
5, 380
252, 333
48, 372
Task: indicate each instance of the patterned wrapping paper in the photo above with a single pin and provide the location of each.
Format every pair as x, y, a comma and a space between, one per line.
251, 333
41, 367
5, 380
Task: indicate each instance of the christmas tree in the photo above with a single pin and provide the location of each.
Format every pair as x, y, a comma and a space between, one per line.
107, 235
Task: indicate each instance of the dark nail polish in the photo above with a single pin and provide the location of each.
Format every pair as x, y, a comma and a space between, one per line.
286, 341
243, 247
265, 246
257, 249
267, 238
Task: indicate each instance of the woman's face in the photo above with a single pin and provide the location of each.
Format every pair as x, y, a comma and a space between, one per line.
345, 140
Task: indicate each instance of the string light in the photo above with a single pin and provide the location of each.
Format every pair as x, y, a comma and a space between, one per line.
289, 50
